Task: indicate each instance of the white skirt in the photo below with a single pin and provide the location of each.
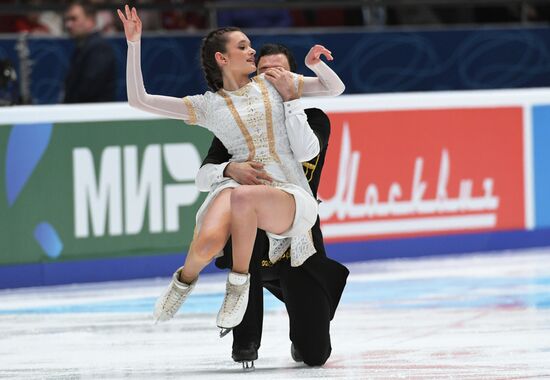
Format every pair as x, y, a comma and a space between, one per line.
305, 217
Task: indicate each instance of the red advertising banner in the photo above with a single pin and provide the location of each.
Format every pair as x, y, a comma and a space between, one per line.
423, 172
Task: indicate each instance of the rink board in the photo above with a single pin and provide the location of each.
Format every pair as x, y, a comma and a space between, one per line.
99, 192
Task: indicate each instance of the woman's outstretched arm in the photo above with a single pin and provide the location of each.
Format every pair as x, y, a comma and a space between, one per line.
167, 106
327, 83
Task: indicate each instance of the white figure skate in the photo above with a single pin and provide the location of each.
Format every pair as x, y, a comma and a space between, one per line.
172, 298
234, 303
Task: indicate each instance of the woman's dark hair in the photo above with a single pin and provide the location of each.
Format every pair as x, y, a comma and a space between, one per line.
272, 49
215, 41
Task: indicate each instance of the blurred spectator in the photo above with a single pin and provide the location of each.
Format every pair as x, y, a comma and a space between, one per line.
53, 21
8, 78
150, 19
32, 21
497, 14
374, 15
105, 19
92, 71
413, 15
177, 15
6, 20
327, 17
538, 13
184, 20
454, 15
255, 18
47, 22
313, 17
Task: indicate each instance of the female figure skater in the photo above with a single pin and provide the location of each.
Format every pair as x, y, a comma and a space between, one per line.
248, 117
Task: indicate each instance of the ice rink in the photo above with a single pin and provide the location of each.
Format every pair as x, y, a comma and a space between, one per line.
464, 317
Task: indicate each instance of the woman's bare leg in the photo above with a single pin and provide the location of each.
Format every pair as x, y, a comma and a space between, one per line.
211, 238
252, 207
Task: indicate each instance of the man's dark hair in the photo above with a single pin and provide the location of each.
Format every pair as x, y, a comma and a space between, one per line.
88, 8
272, 49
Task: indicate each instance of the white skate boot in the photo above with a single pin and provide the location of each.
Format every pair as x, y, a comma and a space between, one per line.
234, 303
172, 298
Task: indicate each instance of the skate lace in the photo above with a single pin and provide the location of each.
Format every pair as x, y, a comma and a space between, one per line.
233, 296
173, 300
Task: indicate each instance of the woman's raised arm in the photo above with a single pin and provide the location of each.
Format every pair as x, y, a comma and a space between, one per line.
167, 106
327, 82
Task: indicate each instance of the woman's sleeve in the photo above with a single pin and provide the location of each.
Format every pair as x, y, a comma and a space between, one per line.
189, 109
327, 83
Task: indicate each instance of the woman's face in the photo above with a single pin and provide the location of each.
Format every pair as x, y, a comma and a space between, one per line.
239, 54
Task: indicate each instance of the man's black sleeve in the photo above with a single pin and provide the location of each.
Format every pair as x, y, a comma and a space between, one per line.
320, 124
217, 154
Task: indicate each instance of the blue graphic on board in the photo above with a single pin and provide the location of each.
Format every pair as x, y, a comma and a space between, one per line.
46, 235
541, 163
26, 146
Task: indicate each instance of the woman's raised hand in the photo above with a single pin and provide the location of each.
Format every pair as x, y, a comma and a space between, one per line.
131, 22
314, 55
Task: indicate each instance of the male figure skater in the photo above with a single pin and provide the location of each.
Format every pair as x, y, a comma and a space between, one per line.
311, 292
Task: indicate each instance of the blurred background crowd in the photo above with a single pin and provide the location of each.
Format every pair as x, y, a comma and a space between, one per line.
46, 16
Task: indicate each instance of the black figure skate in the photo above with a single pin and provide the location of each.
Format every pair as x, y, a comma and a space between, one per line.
296, 356
246, 355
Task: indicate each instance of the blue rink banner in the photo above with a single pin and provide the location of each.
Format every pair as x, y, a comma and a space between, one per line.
368, 62
104, 192
541, 153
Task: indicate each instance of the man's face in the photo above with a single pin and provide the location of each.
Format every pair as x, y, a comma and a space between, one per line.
270, 61
78, 24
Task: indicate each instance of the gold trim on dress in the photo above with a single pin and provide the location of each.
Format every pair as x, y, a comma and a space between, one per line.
268, 120
193, 115
284, 256
240, 124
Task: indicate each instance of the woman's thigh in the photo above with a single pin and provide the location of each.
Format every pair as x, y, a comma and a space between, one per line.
274, 208
217, 218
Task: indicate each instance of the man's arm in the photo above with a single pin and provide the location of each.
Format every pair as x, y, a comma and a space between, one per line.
303, 142
213, 166
217, 153
216, 168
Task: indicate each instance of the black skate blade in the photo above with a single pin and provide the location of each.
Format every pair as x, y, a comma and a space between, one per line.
248, 366
224, 331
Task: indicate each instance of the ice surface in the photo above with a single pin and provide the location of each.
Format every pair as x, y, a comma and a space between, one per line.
464, 317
